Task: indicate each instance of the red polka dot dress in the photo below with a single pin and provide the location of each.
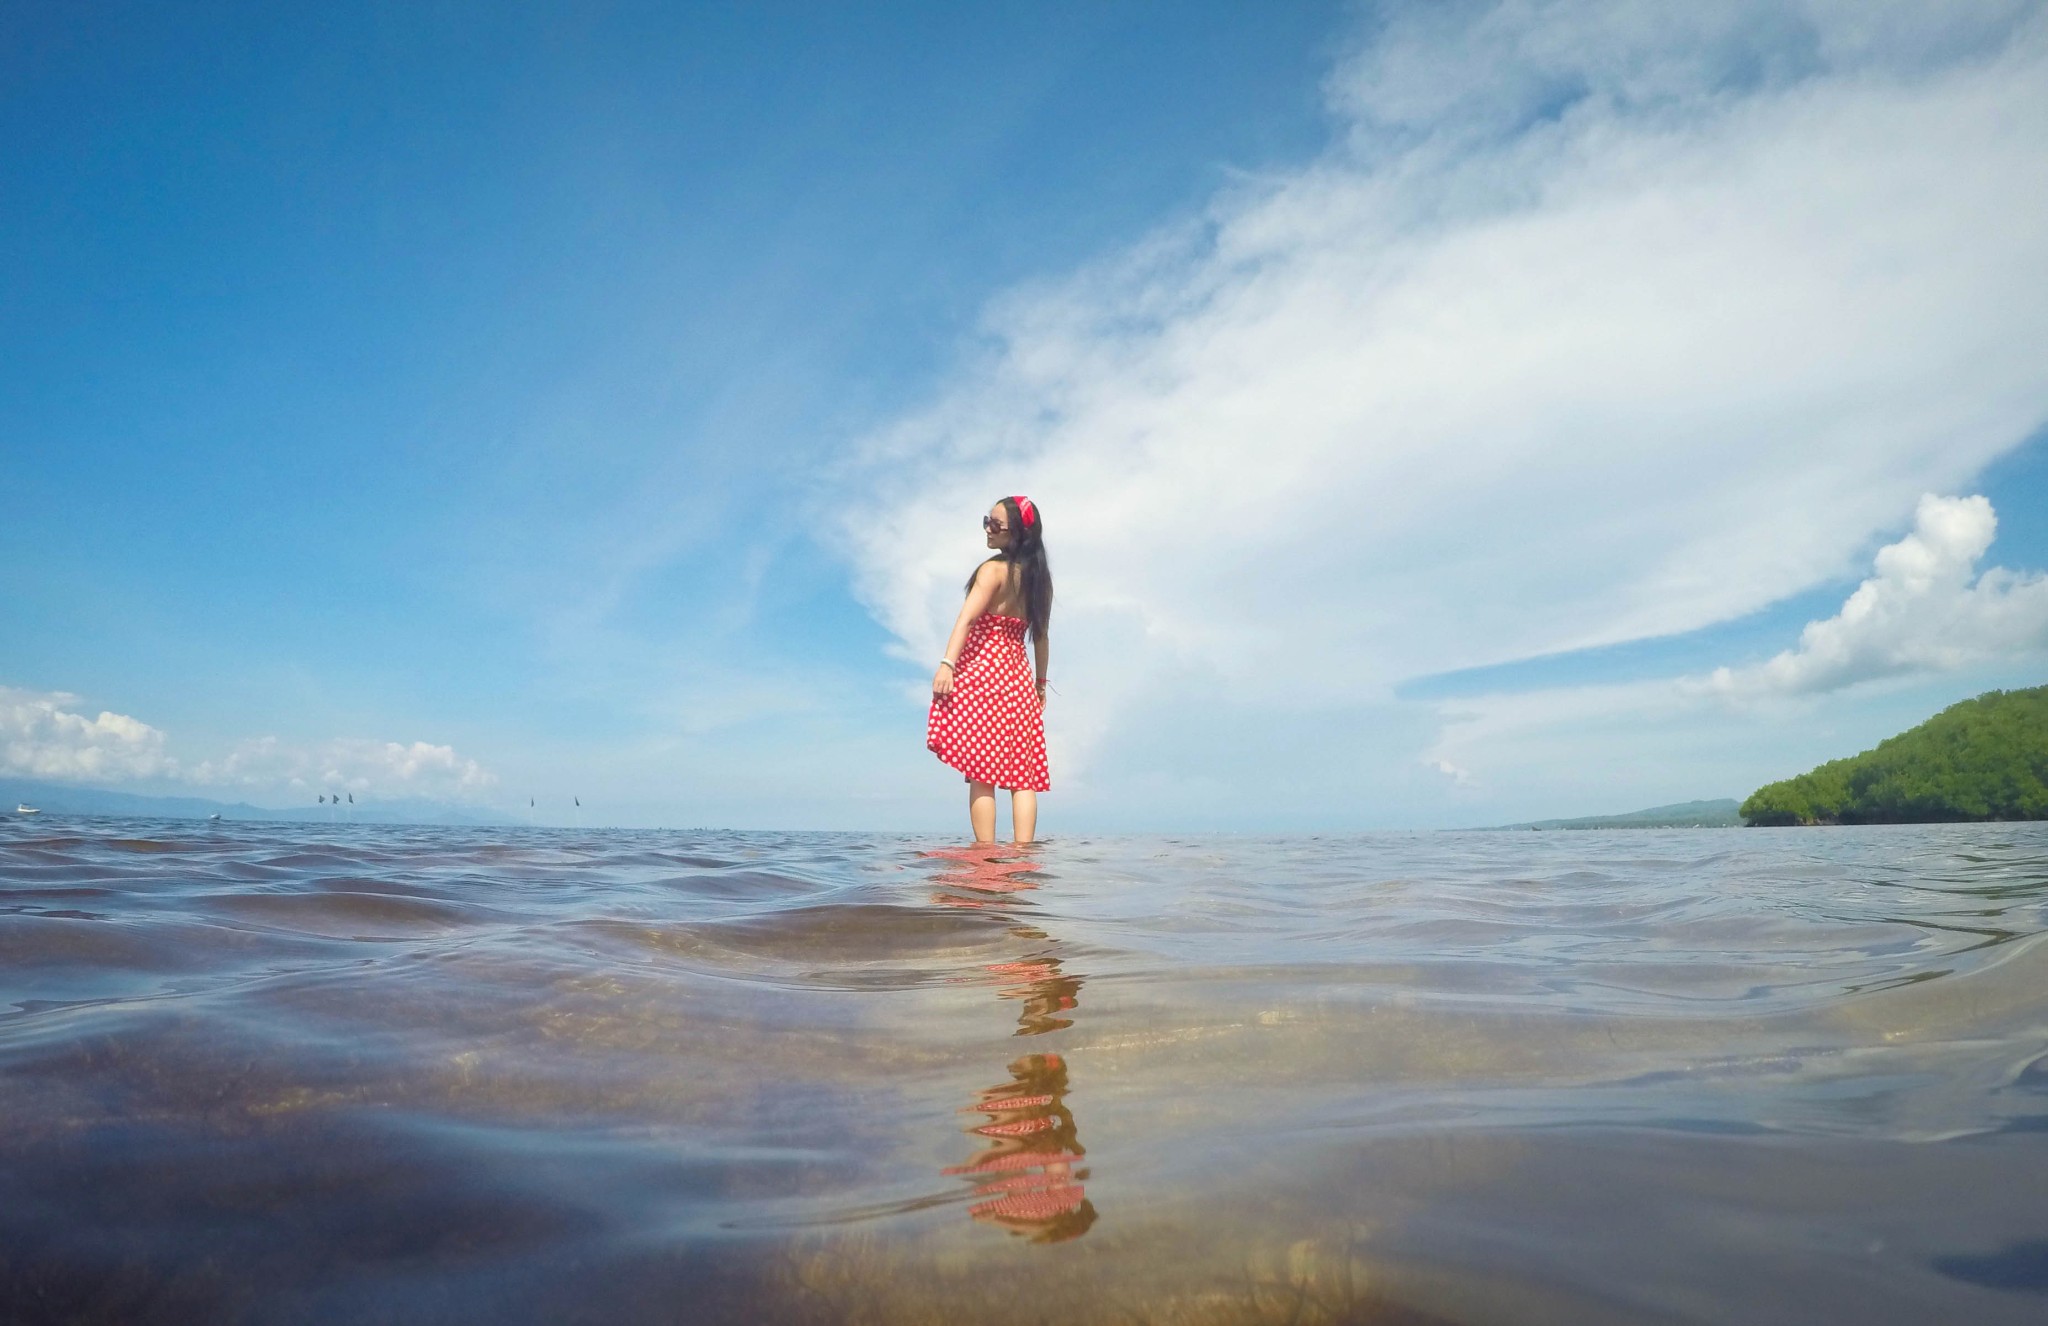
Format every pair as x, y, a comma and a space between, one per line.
991, 727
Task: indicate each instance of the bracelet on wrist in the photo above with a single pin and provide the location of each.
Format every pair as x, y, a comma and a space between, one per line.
947, 663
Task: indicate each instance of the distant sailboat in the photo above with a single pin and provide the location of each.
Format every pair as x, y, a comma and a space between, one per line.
23, 808
322, 798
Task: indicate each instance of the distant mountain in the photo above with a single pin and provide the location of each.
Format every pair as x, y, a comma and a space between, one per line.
1982, 759
61, 799
1720, 814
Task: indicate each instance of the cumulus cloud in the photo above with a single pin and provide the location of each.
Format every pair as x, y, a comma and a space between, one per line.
1598, 321
1925, 610
383, 768
43, 735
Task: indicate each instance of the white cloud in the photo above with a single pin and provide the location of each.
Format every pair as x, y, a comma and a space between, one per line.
1458, 774
1925, 610
379, 768
1568, 746
1601, 321
42, 735
1925, 615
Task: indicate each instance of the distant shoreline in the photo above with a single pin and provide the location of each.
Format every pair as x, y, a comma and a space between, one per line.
1722, 813
59, 799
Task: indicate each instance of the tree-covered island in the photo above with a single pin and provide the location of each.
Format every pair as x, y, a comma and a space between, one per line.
1982, 759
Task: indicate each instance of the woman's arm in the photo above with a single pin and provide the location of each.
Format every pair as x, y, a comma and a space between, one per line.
986, 581
1038, 653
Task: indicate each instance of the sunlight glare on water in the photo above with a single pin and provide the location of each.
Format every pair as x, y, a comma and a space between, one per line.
268, 1072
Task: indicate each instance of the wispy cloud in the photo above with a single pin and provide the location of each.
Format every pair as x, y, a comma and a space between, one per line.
1599, 321
1458, 774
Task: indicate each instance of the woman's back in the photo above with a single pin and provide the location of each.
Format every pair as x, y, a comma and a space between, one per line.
1009, 596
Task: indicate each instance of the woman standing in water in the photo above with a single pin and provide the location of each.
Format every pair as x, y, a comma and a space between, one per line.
987, 711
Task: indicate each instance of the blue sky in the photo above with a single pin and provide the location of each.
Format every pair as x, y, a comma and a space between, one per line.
493, 402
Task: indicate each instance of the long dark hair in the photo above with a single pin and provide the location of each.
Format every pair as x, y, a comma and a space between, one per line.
1027, 552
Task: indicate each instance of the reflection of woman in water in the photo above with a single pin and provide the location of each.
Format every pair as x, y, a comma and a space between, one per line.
986, 718
980, 878
1038, 982
1029, 1179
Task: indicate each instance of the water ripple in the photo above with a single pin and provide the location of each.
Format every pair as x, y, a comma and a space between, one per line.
465, 1074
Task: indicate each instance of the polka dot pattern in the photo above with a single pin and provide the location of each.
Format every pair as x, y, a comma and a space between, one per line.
991, 727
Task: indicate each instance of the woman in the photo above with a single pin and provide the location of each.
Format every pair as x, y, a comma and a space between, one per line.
986, 716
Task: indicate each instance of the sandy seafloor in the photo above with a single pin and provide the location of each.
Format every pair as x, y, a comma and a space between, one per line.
331, 1073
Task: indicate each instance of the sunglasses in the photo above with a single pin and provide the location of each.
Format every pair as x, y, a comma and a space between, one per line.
989, 526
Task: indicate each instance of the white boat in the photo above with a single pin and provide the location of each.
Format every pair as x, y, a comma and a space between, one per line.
23, 809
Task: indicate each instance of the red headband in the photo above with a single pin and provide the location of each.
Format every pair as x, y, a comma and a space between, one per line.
1025, 511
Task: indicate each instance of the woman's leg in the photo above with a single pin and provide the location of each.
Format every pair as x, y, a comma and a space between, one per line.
1023, 815
981, 810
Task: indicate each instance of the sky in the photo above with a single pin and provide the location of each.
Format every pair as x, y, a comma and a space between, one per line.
1442, 413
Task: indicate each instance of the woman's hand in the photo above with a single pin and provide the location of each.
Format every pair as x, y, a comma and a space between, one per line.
942, 681
1042, 685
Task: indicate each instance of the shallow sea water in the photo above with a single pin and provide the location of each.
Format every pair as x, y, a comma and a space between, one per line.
331, 1073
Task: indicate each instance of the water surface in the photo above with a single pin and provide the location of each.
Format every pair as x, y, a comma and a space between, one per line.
333, 1073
